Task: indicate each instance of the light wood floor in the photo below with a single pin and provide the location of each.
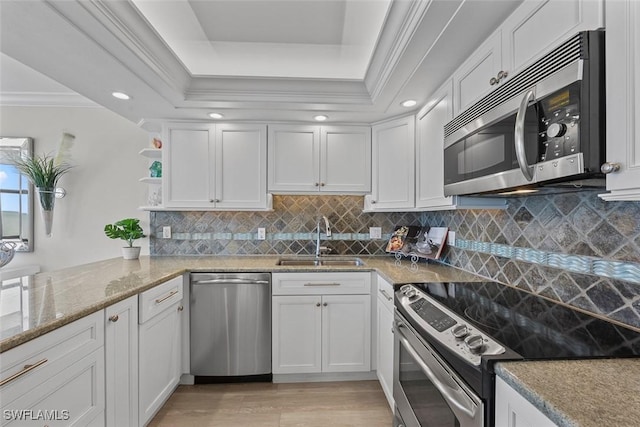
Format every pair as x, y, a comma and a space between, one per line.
333, 404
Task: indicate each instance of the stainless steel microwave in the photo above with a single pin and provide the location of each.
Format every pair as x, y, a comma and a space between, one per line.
544, 127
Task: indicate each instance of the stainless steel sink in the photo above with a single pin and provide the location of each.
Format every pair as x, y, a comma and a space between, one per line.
301, 262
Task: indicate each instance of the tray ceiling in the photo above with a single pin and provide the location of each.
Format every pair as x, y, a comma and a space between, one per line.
267, 60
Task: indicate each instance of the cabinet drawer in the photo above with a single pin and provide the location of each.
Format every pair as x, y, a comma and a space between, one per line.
36, 361
321, 283
155, 300
72, 397
385, 293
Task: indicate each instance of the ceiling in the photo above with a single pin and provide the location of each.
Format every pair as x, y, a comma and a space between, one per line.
267, 60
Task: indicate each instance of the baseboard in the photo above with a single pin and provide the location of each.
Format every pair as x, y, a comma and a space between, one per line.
324, 377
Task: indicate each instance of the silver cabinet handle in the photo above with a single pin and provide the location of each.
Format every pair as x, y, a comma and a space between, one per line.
321, 284
317, 184
318, 304
386, 295
180, 307
325, 304
114, 318
521, 154
493, 81
25, 369
166, 297
609, 167
373, 202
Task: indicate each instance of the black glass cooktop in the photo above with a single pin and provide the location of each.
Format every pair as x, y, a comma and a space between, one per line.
532, 326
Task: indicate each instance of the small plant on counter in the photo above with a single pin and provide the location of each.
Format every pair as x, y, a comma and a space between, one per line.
127, 229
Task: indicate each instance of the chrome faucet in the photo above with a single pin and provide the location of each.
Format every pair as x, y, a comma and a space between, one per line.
327, 229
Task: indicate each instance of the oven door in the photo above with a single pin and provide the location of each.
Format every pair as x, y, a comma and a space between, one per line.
427, 392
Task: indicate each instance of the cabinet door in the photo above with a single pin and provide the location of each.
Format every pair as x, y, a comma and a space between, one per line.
537, 27
513, 410
345, 159
159, 360
623, 98
384, 343
472, 79
241, 166
293, 153
187, 156
430, 150
393, 170
346, 333
76, 394
297, 334
121, 363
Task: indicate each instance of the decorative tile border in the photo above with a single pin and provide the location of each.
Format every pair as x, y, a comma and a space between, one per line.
618, 270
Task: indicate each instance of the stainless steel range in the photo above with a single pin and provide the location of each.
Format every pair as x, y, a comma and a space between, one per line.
448, 337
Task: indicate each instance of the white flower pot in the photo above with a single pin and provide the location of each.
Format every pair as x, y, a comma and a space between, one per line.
131, 253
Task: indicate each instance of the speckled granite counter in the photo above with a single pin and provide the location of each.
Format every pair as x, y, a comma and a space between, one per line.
585, 393
53, 299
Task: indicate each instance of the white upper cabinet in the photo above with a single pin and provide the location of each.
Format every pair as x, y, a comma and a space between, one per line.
241, 167
310, 159
430, 123
536, 27
533, 29
623, 99
478, 75
393, 165
220, 166
345, 159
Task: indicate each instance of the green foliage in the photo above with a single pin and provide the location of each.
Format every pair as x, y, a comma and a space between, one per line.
43, 171
126, 229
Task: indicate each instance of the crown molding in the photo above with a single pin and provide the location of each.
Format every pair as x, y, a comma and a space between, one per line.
402, 23
45, 99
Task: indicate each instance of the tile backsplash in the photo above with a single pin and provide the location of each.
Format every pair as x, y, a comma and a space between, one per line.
290, 228
573, 247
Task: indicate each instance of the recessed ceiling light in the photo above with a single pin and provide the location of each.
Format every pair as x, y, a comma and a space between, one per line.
216, 115
409, 103
320, 118
121, 95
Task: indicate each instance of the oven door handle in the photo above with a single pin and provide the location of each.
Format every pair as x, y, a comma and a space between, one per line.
456, 397
521, 153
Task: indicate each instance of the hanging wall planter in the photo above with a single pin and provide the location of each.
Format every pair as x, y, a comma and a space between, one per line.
47, 197
44, 172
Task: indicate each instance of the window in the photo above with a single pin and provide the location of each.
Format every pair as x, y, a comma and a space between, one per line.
16, 195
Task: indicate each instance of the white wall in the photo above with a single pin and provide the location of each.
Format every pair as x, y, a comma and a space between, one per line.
102, 188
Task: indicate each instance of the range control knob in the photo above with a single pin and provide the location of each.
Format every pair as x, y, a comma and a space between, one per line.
475, 343
556, 129
405, 288
460, 331
411, 293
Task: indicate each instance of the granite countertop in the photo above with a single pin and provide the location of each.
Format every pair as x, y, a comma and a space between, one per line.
53, 299
585, 393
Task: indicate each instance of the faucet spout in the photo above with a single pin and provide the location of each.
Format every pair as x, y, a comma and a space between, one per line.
327, 230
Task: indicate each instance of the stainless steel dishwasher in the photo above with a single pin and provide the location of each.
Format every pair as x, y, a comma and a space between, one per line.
230, 327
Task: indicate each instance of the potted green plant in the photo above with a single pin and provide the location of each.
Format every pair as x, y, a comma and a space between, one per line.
127, 229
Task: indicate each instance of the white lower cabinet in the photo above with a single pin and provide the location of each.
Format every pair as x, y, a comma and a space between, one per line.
324, 331
121, 363
513, 410
56, 379
160, 338
384, 343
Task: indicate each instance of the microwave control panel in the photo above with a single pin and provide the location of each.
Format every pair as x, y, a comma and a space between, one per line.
559, 118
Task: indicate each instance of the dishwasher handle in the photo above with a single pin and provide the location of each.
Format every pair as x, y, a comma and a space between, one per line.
230, 281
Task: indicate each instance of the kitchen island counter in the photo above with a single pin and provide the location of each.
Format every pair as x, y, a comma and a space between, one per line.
584, 393
52, 299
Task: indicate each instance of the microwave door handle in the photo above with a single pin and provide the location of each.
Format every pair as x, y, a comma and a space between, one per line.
521, 155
